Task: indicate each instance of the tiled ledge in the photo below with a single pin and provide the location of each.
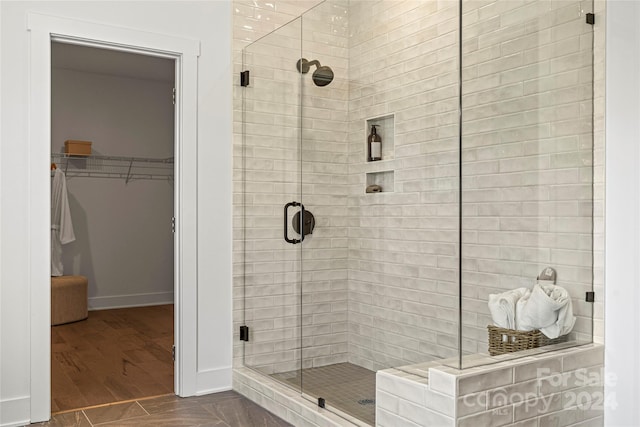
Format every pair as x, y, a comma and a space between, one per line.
559, 388
404, 399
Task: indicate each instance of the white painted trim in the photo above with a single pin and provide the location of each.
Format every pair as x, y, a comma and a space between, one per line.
131, 300
186, 225
622, 217
12, 409
39, 209
43, 29
107, 36
214, 380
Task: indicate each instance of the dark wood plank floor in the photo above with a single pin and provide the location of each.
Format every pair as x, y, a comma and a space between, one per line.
226, 409
113, 356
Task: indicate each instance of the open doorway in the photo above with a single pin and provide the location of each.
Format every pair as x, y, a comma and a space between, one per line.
43, 30
121, 204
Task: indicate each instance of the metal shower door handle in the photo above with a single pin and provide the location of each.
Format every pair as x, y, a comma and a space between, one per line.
286, 223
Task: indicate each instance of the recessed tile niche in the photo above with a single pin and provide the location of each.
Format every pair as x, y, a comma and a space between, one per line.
380, 172
385, 127
385, 179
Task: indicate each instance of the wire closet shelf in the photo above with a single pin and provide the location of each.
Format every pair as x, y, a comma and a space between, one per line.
127, 168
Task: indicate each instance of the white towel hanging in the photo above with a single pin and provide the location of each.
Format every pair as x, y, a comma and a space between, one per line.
61, 226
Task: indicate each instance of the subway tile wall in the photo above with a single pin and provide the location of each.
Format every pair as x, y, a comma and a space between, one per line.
403, 255
324, 165
289, 156
561, 388
271, 166
380, 271
527, 154
252, 20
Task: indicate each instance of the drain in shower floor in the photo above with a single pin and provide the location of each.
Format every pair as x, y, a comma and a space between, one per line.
367, 401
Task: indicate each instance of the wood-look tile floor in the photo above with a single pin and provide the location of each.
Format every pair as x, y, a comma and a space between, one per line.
113, 356
226, 409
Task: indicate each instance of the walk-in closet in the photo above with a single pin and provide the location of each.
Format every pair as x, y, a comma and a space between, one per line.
112, 168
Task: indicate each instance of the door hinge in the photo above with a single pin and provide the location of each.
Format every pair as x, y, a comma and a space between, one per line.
244, 78
173, 97
244, 333
591, 18
173, 353
173, 224
590, 297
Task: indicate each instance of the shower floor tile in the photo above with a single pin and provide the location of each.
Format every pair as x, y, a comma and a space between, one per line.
348, 387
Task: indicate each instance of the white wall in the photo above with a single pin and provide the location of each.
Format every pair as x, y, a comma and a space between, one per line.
209, 22
622, 325
124, 243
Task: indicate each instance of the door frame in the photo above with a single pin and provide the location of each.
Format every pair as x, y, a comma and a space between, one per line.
44, 29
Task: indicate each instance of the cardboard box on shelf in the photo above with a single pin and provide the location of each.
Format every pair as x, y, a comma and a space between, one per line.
77, 148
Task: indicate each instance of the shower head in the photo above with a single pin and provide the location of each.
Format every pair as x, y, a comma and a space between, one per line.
322, 76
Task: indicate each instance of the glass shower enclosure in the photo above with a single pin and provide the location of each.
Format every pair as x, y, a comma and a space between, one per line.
364, 252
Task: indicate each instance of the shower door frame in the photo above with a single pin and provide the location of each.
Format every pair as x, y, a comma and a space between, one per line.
43, 31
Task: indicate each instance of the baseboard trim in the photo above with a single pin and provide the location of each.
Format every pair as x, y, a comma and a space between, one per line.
133, 300
15, 412
214, 380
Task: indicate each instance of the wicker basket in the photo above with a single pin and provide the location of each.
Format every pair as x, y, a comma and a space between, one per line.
503, 340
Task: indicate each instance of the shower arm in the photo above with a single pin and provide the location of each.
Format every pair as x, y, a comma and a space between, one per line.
314, 62
303, 65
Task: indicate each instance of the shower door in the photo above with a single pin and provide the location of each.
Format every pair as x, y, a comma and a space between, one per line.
294, 216
373, 285
269, 248
326, 376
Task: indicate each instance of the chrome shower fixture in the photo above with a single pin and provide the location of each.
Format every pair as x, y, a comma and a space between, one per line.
322, 76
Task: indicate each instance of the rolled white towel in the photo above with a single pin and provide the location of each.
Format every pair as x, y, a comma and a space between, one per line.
520, 324
503, 307
547, 308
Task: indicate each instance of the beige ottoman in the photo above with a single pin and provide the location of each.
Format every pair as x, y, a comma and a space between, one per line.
68, 299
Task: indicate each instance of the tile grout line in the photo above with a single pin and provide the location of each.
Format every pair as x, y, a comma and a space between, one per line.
202, 406
102, 405
86, 417
146, 412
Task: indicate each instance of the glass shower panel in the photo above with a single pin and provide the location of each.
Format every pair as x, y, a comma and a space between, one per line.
271, 196
380, 284
527, 199
326, 371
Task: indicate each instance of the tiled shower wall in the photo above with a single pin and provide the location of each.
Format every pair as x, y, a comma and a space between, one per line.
526, 176
527, 154
527, 157
403, 242
324, 179
271, 167
267, 291
251, 20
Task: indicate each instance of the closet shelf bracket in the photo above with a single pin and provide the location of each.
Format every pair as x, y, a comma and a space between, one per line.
126, 181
